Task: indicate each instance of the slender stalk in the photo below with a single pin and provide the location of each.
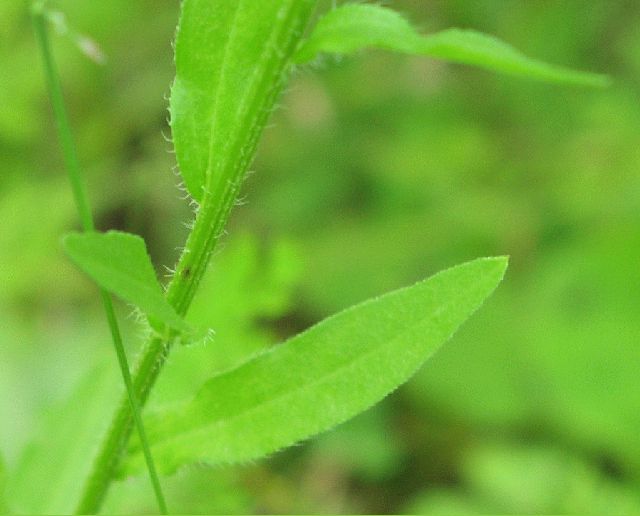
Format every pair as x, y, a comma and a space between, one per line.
62, 122
200, 244
86, 218
219, 197
133, 400
207, 229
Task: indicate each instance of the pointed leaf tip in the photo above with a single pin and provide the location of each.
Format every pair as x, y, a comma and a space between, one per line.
354, 27
321, 377
120, 264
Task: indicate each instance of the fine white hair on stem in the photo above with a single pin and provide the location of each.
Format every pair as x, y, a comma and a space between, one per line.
168, 139
170, 272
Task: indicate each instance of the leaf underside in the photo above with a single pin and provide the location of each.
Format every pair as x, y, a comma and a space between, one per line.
119, 263
353, 27
319, 378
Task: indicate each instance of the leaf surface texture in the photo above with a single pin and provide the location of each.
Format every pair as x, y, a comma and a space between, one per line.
353, 27
119, 263
231, 59
321, 377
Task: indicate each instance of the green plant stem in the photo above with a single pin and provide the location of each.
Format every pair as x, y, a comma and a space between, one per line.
202, 240
62, 122
219, 197
86, 218
207, 229
133, 401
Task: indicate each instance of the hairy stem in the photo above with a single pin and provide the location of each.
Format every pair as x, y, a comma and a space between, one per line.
195, 257
220, 193
81, 200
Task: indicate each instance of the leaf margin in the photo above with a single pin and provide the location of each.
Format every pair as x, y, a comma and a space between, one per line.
338, 31
160, 423
77, 246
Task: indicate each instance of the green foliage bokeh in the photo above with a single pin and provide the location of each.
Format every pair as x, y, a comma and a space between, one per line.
378, 170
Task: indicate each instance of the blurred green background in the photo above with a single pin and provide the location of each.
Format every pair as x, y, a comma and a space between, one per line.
377, 171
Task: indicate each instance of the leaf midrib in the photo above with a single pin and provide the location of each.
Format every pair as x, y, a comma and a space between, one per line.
216, 100
296, 391
243, 107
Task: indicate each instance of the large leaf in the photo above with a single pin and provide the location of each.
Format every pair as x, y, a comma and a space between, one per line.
321, 377
353, 27
119, 263
230, 62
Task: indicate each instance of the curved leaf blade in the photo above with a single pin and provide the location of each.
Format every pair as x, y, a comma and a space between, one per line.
231, 59
119, 263
353, 27
321, 377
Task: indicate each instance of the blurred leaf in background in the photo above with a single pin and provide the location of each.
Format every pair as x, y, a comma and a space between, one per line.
50, 471
379, 170
3, 478
516, 479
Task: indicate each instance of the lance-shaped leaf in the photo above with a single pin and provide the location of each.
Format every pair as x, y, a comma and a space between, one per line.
231, 59
321, 377
119, 263
353, 27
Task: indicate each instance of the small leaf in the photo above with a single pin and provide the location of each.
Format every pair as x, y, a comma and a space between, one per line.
321, 377
231, 59
119, 263
353, 27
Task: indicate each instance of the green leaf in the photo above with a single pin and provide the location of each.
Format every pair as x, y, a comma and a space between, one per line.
48, 478
119, 263
4, 509
353, 27
231, 59
245, 286
321, 377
